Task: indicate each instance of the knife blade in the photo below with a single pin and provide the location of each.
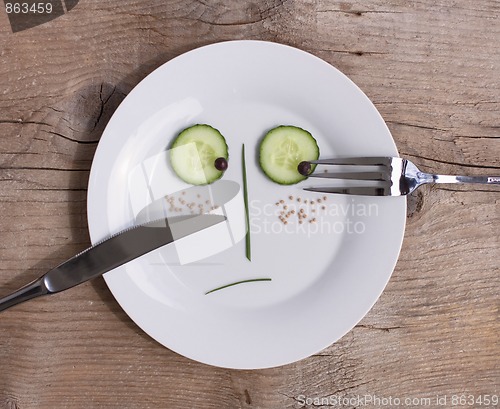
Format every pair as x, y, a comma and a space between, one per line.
110, 253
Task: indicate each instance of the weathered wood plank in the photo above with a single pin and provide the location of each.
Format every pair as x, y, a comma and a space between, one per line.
430, 67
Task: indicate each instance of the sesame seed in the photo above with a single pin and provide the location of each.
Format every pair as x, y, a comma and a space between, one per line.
183, 193
324, 197
207, 201
277, 203
285, 222
323, 207
314, 210
300, 221
319, 200
198, 195
301, 211
293, 211
305, 201
285, 207
282, 201
299, 199
290, 197
312, 202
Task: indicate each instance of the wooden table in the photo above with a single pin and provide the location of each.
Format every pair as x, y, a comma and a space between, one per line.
431, 68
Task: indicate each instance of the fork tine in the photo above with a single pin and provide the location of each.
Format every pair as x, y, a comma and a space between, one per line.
383, 161
384, 190
381, 176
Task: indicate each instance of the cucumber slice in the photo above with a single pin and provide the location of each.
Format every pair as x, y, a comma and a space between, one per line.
281, 151
193, 154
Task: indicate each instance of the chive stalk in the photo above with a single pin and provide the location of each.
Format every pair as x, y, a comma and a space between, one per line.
238, 282
245, 198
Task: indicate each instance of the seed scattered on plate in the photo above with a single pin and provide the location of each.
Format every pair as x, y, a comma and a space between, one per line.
301, 208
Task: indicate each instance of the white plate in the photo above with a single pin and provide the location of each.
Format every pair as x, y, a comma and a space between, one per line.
325, 275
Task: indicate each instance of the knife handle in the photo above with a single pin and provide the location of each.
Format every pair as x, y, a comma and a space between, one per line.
29, 291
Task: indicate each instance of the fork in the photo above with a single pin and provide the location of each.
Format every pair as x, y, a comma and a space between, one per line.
391, 177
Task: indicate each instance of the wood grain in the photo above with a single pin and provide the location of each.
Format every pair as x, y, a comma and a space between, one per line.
430, 67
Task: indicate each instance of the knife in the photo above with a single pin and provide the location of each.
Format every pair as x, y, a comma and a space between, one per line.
110, 253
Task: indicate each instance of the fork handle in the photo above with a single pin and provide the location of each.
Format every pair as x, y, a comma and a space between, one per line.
29, 291
484, 180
